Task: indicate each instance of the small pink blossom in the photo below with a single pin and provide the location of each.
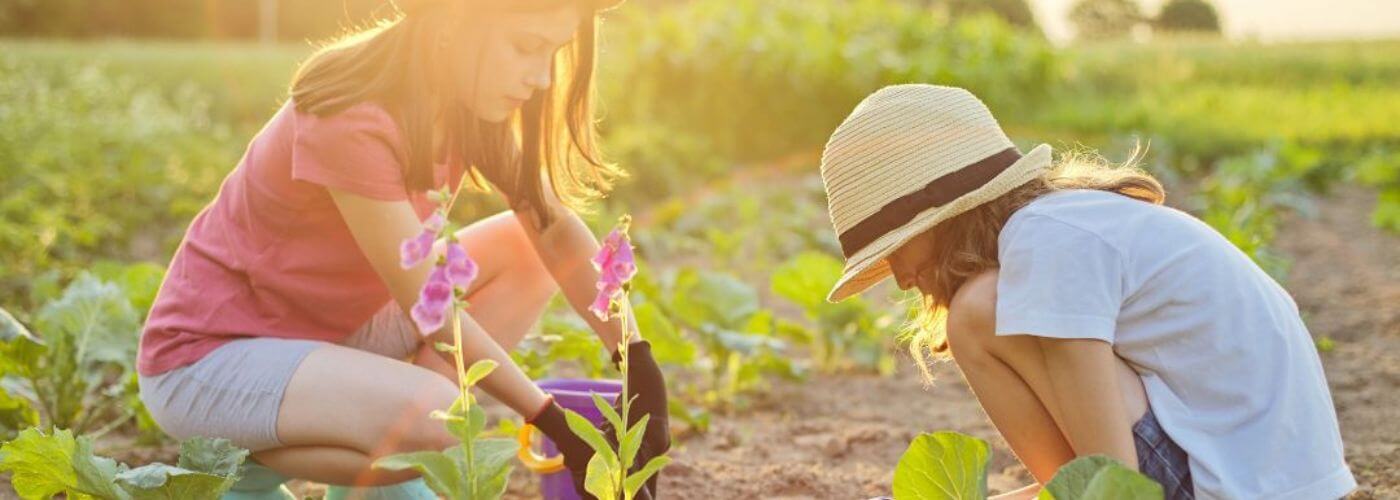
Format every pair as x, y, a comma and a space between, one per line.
615, 260
413, 250
616, 266
435, 222
433, 302
602, 304
461, 269
417, 248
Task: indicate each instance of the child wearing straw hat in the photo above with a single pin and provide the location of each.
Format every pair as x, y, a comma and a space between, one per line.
1087, 317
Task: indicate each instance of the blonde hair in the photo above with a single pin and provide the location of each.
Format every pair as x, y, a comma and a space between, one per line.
966, 245
389, 64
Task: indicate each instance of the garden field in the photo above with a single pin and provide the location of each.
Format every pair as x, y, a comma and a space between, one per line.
109, 148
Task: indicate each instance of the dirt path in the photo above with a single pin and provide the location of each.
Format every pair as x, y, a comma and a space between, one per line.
840, 436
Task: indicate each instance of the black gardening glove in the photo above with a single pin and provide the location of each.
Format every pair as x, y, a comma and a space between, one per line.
576, 452
648, 387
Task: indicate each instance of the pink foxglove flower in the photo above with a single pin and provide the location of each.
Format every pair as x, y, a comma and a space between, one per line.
602, 305
615, 261
433, 302
616, 266
413, 250
461, 269
417, 248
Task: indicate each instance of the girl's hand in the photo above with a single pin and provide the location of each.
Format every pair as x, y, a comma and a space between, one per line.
577, 453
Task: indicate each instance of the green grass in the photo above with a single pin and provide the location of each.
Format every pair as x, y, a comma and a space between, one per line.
1210, 99
134, 137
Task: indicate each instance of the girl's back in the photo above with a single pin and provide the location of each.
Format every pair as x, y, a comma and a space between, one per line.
1228, 366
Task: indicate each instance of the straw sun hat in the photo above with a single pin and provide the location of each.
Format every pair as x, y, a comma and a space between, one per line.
907, 158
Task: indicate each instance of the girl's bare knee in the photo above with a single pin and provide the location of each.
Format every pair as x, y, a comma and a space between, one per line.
972, 317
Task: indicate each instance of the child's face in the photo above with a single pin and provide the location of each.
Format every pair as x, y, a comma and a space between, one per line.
906, 263
515, 51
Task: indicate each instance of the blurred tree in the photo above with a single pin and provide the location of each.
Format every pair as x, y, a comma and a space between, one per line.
1104, 19
1188, 16
1015, 12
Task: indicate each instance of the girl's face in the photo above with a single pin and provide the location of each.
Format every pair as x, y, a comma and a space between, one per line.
510, 59
906, 263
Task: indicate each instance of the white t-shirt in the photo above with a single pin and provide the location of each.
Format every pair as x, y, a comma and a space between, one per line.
1230, 370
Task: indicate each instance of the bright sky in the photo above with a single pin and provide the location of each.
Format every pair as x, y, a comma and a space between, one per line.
1269, 20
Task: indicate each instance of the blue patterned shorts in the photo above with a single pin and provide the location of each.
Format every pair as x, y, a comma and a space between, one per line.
1161, 459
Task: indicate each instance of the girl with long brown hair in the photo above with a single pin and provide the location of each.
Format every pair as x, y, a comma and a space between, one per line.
1087, 317
283, 322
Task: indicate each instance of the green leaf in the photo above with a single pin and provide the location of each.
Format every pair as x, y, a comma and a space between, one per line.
601, 478
633, 441
437, 469
493, 465
667, 344
41, 465
11, 328
1117, 482
713, 298
492, 453
609, 413
478, 371
140, 282
21, 356
806, 279
591, 435
97, 318
214, 456
167, 482
97, 476
943, 465
635, 480
15, 414
1072, 478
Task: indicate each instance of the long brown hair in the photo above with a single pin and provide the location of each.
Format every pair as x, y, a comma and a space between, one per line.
966, 245
388, 64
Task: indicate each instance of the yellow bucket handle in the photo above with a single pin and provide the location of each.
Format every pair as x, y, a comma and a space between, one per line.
534, 461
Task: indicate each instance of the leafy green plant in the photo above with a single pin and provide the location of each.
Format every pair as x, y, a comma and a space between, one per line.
43, 465
843, 335
75, 372
611, 473
563, 338
949, 465
475, 469
1381, 169
736, 339
478, 467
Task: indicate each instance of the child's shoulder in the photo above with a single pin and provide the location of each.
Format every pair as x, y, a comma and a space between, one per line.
364, 116
1080, 212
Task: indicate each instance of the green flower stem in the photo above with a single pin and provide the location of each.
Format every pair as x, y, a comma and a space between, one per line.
468, 450
625, 308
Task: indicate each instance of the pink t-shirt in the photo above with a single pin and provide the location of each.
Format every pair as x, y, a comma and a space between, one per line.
271, 255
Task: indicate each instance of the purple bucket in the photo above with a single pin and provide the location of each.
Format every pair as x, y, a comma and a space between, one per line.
576, 395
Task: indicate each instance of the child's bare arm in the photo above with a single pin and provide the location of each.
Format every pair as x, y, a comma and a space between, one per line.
1096, 421
566, 248
378, 228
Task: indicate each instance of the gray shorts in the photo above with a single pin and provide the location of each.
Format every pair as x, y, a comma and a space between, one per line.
235, 391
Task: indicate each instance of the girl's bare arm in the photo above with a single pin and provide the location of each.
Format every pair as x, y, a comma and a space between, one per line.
378, 228
567, 247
